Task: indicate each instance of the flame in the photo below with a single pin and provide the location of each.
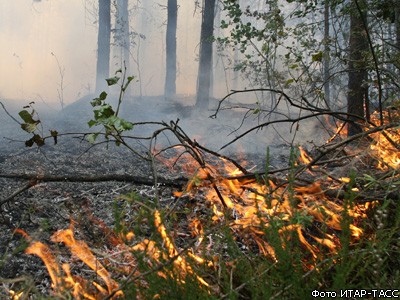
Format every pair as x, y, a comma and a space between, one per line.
384, 149
44, 252
15, 295
181, 266
83, 252
304, 157
62, 281
254, 204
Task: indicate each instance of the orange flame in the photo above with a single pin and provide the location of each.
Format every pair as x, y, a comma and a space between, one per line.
181, 266
83, 252
254, 203
62, 282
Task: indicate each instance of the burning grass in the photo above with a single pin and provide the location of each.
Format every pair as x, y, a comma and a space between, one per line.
239, 235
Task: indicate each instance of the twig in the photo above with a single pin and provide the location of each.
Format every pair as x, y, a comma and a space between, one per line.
10, 115
25, 187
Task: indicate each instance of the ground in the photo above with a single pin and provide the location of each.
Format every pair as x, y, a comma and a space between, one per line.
50, 206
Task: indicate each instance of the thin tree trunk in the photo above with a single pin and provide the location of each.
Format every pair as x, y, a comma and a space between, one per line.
170, 79
205, 62
327, 91
397, 28
358, 74
103, 45
122, 32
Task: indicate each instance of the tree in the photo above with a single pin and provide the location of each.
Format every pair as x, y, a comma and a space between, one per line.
122, 31
205, 60
326, 60
170, 79
103, 45
357, 97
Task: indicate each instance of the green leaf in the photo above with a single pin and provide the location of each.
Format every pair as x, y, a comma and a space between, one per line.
122, 125
96, 102
103, 96
29, 127
29, 143
92, 123
36, 139
26, 116
91, 138
129, 79
289, 81
317, 57
105, 111
112, 80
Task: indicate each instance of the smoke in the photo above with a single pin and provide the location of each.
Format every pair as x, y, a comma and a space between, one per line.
51, 55
68, 29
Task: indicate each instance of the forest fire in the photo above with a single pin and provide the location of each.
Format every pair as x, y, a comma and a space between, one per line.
253, 205
63, 282
265, 214
386, 143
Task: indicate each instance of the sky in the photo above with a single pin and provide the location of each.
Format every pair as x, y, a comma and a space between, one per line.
49, 42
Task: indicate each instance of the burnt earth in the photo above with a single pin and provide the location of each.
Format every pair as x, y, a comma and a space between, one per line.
50, 206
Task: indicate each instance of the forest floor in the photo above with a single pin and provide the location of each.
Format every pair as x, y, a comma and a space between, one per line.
47, 207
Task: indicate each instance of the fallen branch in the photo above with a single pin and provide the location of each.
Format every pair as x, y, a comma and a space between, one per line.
25, 187
178, 182
36, 178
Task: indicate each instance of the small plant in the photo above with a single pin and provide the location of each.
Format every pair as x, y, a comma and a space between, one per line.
106, 116
31, 124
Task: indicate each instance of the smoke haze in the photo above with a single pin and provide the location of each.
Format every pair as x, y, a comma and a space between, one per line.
46, 42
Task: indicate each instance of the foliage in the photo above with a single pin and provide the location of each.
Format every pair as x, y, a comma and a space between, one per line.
284, 46
31, 124
105, 116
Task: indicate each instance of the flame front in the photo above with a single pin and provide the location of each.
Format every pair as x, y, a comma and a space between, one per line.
254, 204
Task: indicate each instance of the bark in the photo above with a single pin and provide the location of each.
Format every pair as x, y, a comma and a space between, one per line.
326, 55
103, 45
397, 27
358, 74
122, 32
170, 79
205, 61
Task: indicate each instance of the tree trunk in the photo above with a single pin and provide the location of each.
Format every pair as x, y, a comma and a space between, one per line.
103, 45
358, 74
326, 60
170, 79
396, 4
205, 62
122, 32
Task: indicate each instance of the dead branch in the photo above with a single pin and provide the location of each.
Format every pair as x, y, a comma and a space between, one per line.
178, 182
25, 187
10, 115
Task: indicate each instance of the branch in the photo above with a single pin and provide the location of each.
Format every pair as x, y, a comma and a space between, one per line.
25, 187
1, 103
178, 182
